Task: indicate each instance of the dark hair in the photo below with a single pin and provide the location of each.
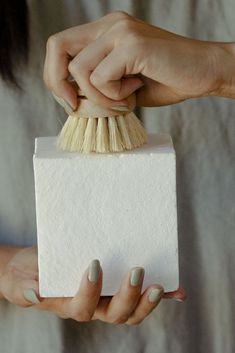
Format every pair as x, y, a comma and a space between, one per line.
14, 39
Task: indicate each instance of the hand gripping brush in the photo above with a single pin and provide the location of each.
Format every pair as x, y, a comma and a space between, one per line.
92, 128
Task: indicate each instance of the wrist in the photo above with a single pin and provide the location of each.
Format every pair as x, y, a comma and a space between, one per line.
224, 61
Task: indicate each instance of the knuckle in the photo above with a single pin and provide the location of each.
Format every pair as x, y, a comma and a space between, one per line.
122, 319
134, 322
47, 81
72, 66
55, 41
83, 315
126, 25
117, 320
76, 66
64, 316
119, 15
97, 79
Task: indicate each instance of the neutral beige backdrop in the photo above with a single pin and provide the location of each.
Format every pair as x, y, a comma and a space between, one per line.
203, 132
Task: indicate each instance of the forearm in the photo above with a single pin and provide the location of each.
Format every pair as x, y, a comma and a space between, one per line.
6, 253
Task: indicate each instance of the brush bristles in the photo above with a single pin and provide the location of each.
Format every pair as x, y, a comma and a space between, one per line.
115, 140
123, 128
65, 138
102, 135
89, 142
78, 135
136, 131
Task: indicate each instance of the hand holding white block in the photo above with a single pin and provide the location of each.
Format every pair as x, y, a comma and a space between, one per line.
118, 208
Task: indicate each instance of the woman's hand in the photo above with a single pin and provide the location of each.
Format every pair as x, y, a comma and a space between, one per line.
118, 54
19, 285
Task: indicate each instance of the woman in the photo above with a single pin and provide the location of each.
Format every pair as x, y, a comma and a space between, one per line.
157, 57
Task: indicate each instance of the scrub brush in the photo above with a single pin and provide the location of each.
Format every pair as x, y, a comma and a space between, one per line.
92, 128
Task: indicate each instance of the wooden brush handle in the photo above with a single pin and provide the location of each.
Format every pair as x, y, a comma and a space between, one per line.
88, 109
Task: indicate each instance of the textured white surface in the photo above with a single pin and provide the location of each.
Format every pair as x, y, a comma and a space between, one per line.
119, 208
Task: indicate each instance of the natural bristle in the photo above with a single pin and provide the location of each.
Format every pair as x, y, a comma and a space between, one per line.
102, 135
123, 127
78, 136
89, 142
136, 131
65, 137
115, 141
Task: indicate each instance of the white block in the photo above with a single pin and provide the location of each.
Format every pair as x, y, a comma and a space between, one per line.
119, 208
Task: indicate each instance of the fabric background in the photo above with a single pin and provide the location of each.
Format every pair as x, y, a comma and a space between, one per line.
203, 132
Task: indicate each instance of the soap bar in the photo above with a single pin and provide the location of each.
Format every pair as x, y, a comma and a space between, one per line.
119, 208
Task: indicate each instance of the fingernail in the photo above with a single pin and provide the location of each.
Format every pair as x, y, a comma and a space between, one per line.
137, 276
94, 271
67, 107
121, 108
155, 295
31, 296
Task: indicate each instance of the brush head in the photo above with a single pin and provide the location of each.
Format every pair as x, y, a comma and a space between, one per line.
92, 128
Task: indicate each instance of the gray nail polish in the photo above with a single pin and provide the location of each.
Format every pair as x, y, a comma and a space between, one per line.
120, 108
155, 295
67, 107
31, 296
94, 271
136, 276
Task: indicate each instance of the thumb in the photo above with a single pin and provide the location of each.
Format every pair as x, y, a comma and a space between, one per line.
155, 94
28, 293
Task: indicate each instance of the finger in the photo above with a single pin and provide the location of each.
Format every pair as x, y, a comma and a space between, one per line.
83, 305
101, 308
64, 46
124, 302
109, 76
179, 295
56, 73
82, 66
61, 48
149, 301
